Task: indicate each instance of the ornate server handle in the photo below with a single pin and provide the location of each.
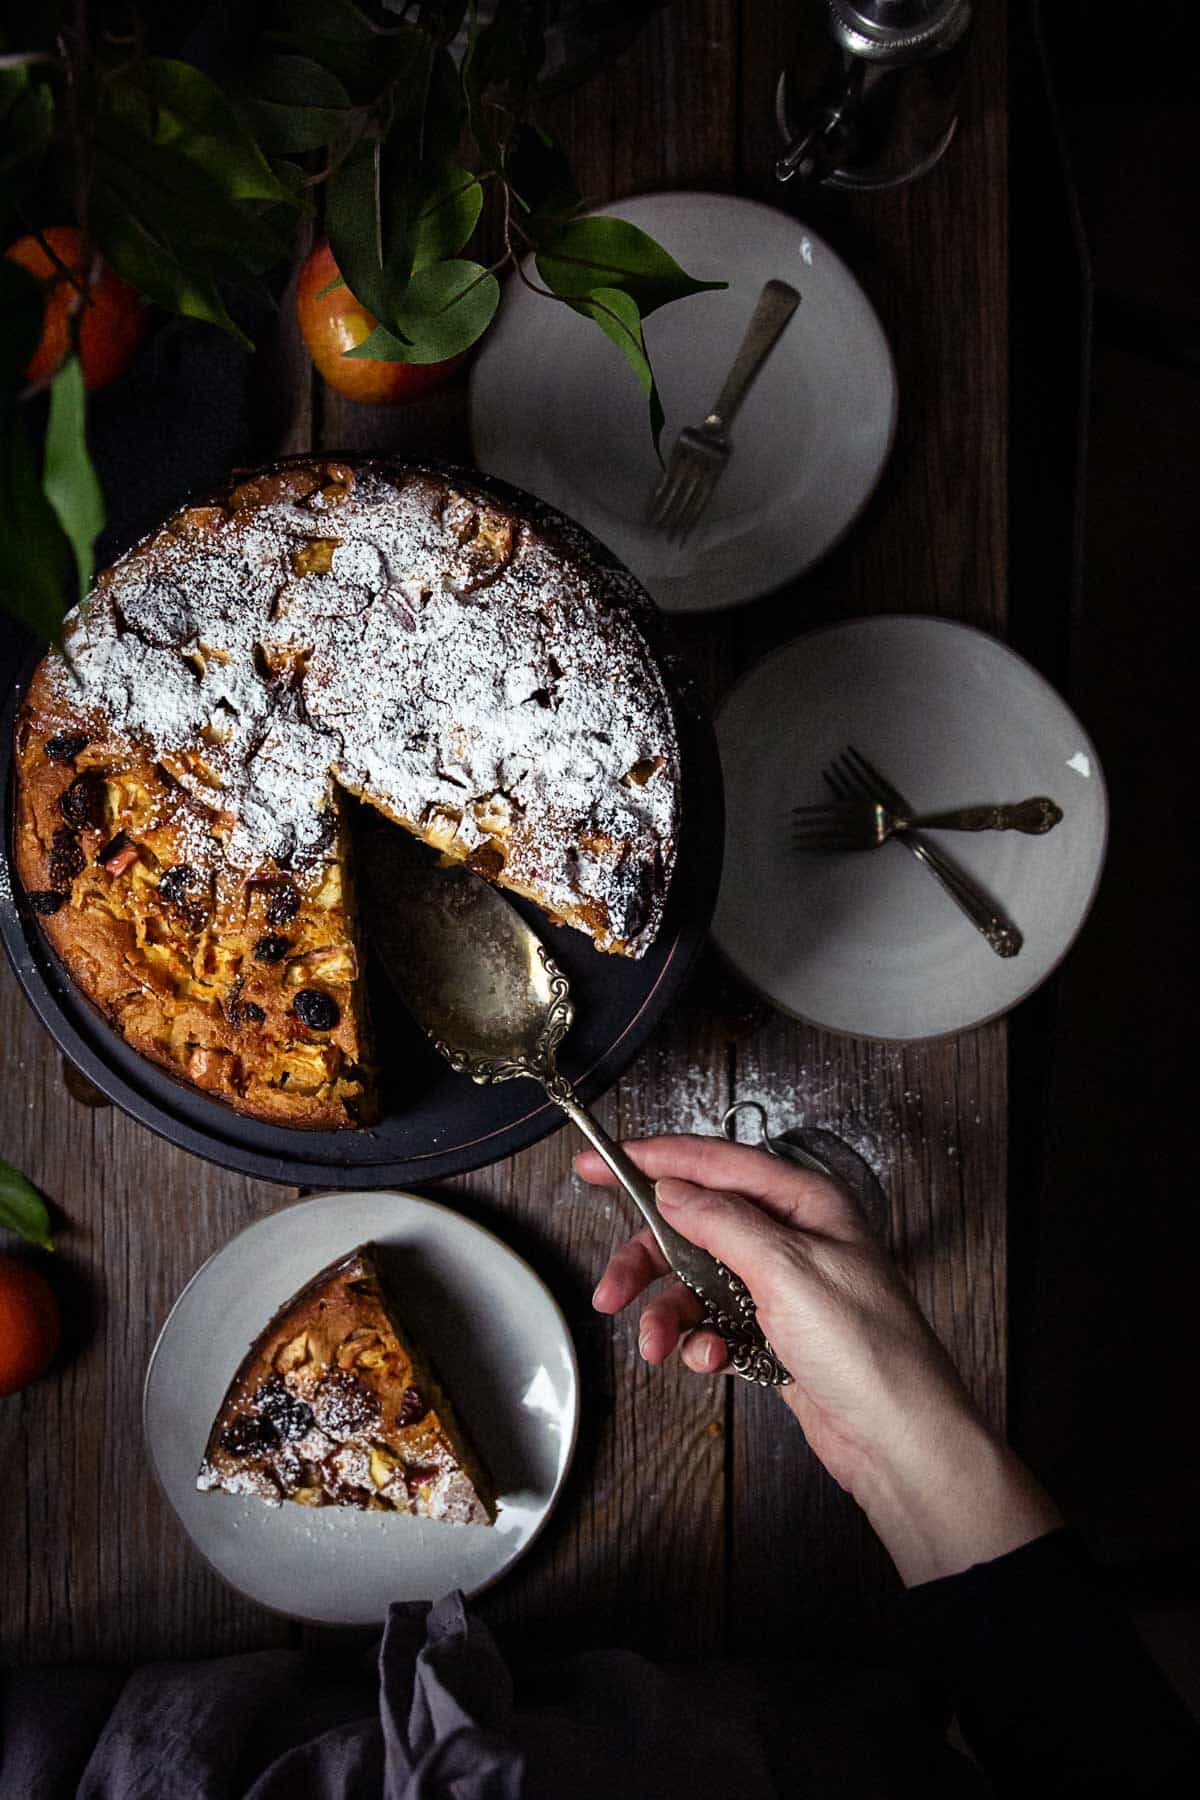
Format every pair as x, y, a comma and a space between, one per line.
728, 1305
1033, 816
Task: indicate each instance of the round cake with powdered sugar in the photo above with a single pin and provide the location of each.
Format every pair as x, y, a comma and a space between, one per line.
471, 666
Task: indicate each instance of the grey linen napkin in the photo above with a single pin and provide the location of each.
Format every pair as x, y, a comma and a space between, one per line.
439, 1721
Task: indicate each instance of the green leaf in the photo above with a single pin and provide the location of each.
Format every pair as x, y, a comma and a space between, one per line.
501, 62
367, 218
69, 481
295, 105
294, 178
13, 84
26, 116
178, 110
444, 310
21, 311
443, 110
364, 69
616, 314
338, 19
509, 50
33, 564
541, 177
27, 129
443, 17
447, 217
230, 273
588, 254
613, 273
298, 81
22, 1208
183, 209
139, 256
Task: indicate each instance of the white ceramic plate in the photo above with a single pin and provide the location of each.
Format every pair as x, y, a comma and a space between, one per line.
499, 1341
867, 942
554, 408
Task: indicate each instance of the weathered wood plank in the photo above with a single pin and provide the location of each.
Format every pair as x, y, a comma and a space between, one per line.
638, 1551
643, 1562
930, 1119
641, 1531
92, 1564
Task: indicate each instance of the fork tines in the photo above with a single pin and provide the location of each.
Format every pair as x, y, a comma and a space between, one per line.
858, 779
686, 485
833, 826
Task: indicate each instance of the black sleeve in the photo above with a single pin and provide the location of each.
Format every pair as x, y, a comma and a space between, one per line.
1053, 1690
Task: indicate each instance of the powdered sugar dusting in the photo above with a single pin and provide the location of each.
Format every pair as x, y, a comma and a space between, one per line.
812, 1096
414, 643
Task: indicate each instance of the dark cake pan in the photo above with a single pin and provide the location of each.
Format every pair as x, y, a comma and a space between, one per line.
434, 1123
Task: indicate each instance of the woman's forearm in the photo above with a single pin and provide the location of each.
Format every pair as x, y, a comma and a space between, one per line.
953, 1496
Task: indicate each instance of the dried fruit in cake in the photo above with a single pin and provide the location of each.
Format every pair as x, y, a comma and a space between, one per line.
479, 676
335, 1405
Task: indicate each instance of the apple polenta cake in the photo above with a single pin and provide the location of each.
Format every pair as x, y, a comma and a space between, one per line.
472, 670
335, 1405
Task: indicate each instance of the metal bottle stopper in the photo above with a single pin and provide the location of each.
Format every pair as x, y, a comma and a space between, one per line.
871, 100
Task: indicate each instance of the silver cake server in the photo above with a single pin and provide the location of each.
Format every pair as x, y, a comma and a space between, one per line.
483, 986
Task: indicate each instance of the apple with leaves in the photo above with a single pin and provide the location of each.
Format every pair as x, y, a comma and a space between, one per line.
335, 326
190, 185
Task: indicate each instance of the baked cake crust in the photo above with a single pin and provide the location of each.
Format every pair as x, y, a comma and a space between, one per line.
334, 1405
480, 676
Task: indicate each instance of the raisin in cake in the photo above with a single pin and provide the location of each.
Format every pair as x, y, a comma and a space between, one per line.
334, 1405
474, 671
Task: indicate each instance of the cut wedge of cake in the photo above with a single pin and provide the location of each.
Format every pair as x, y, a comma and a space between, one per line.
334, 1405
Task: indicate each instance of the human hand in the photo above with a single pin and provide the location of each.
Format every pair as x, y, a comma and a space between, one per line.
879, 1400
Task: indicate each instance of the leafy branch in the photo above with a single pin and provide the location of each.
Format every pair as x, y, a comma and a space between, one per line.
394, 117
22, 1208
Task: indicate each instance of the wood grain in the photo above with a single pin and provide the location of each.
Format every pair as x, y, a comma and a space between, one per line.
643, 1524
931, 1119
93, 1566
685, 1492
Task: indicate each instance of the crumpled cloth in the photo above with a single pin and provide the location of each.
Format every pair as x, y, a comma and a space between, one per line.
440, 1721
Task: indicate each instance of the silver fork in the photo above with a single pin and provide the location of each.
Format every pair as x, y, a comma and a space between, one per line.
851, 777
865, 824
702, 451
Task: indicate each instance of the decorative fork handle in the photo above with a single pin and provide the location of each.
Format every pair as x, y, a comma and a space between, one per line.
1003, 937
728, 1305
1033, 816
776, 304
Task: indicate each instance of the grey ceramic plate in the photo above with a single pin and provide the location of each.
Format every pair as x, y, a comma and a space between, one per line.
554, 408
867, 943
499, 1341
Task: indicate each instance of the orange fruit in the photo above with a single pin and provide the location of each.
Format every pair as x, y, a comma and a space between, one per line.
114, 319
29, 1324
332, 323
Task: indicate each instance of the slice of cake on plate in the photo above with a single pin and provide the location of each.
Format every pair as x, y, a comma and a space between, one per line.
335, 1405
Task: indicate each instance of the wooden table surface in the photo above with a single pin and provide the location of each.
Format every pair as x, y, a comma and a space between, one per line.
695, 1522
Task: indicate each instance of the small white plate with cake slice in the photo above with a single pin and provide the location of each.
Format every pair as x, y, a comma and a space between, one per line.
555, 408
327, 1469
